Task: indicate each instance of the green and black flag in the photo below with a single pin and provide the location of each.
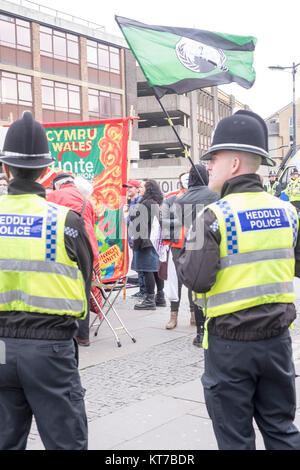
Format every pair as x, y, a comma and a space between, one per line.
178, 60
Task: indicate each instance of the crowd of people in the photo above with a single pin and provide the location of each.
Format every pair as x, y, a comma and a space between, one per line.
233, 243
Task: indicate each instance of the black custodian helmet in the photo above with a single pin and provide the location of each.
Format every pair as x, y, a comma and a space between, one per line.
26, 144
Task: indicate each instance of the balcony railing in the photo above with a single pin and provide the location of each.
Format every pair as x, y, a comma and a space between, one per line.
164, 135
149, 104
58, 14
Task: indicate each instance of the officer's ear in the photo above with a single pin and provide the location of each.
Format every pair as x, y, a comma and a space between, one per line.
235, 164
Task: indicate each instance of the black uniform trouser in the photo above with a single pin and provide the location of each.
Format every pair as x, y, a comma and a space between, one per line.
41, 378
251, 379
84, 327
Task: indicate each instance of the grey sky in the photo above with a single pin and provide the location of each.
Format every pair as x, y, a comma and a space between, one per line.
275, 23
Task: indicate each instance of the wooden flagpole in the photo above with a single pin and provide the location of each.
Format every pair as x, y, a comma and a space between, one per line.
128, 177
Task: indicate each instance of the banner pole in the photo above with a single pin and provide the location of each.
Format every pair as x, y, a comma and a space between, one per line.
128, 175
178, 137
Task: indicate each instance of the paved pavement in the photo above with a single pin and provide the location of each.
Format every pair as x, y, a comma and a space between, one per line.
148, 394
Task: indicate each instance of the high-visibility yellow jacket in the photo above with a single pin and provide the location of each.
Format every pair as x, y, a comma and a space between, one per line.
36, 273
271, 188
293, 190
257, 265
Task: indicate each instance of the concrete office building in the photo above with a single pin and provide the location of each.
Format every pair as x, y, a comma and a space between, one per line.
60, 67
64, 68
280, 127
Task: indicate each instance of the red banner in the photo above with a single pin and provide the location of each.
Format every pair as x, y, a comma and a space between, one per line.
97, 151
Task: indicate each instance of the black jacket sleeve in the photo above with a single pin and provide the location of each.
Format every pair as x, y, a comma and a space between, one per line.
197, 268
78, 248
278, 190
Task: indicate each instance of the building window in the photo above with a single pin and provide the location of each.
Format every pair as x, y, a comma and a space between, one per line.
205, 107
224, 110
59, 53
15, 42
60, 102
15, 95
103, 64
103, 105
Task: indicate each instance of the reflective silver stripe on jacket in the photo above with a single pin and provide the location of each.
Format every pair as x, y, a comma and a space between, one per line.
50, 303
249, 293
253, 256
38, 267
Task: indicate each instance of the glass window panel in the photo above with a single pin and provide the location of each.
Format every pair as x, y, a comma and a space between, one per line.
73, 50
115, 61
24, 78
72, 37
91, 43
105, 104
61, 99
102, 46
46, 42
25, 93
46, 54
93, 104
59, 47
47, 95
92, 55
61, 85
93, 92
74, 111
74, 88
8, 75
103, 59
9, 89
44, 29
25, 24
7, 32
74, 100
7, 18
114, 50
59, 33
47, 82
23, 36
116, 107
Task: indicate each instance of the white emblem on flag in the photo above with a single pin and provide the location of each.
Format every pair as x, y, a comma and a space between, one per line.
199, 57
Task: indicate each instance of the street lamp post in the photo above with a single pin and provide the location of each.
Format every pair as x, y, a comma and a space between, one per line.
293, 68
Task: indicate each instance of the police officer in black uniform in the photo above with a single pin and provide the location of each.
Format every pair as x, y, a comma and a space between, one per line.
38, 362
